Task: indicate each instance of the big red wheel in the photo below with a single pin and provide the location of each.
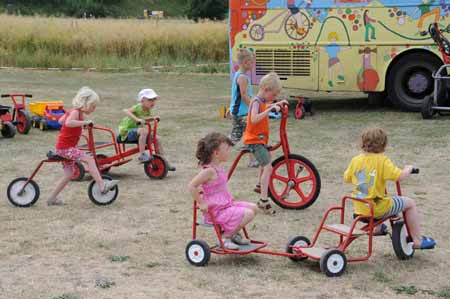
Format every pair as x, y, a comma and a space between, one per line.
299, 191
23, 122
157, 168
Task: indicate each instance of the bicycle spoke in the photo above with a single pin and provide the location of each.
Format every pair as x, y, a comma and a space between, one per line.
280, 178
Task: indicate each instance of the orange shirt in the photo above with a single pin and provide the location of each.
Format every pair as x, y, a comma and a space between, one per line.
257, 133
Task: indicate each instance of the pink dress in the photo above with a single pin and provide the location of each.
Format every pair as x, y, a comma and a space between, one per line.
227, 212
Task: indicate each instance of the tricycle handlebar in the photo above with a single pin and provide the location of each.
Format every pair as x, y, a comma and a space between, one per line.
415, 171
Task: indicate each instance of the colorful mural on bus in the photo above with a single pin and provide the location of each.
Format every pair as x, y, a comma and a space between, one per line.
342, 45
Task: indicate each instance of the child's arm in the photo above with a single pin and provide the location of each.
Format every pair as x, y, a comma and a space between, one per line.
406, 172
130, 114
73, 120
258, 116
194, 186
61, 119
243, 86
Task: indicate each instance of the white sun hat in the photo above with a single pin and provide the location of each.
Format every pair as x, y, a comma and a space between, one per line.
148, 94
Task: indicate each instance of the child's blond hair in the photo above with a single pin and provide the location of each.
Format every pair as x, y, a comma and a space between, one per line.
270, 81
373, 140
332, 35
243, 55
84, 98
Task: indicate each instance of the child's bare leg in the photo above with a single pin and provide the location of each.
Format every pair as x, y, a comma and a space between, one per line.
412, 217
249, 214
61, 184
93, 170
265, 177
159, 148
142, 133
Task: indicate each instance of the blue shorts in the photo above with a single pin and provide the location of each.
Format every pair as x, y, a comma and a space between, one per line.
398, 203
132, 136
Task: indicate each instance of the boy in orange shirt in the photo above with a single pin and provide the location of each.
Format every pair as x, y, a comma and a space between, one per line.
256, 134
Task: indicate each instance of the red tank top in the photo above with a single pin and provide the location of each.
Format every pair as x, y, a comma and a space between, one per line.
68, 137
257, 133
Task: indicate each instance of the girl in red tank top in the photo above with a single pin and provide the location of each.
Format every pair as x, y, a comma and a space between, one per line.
66, 145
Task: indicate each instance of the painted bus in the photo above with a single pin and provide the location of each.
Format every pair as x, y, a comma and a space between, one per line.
380, 47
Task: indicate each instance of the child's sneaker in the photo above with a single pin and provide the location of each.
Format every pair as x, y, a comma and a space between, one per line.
109, 185
144, 158
239, 239
265, 207
228, 244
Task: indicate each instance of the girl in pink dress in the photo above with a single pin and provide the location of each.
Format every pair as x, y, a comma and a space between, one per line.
216, 199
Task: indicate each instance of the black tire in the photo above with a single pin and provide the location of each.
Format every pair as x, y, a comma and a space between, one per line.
410, 80
298, 241
333, 263
312, 197
25, 122
102, 199
402, 243
43, 125
79, 172
8, 130
35, 121
28, 198
102, 156
198, 253
157, 168
427, 108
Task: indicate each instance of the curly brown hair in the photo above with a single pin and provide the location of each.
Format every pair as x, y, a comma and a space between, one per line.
373, 140
208, 144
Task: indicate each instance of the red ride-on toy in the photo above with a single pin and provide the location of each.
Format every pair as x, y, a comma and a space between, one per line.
303, 106
333, 260
156, 168
295, 181
20, 116
24, 192
6, 126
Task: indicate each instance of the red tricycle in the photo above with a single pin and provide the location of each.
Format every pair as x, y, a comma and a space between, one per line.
20, 116
332, 259
24, 191
291, 172
156, 168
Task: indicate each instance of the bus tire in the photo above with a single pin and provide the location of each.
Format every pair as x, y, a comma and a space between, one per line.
410, 80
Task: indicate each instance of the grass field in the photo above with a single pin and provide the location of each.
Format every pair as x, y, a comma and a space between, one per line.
109, 43
135, 247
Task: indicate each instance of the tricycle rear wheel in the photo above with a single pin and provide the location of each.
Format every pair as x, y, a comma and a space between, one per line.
297, 241
401, 241
427, 107
78, 172
100, 199
8, 130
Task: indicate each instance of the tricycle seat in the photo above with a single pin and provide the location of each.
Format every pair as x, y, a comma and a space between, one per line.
53, 156
4, 109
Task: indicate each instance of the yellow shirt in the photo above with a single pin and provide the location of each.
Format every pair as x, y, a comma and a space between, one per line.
369, 173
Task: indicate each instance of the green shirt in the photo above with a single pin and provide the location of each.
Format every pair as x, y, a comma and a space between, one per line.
126, 124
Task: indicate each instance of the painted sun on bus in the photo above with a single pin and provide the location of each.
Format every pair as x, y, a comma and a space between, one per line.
375, 46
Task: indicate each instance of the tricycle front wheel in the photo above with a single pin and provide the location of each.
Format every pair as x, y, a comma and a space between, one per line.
294, 183
156, 168
23, 198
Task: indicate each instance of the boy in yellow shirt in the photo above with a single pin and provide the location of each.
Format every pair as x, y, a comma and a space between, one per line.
369, 171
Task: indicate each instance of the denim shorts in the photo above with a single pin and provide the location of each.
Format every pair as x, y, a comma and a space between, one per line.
132, 136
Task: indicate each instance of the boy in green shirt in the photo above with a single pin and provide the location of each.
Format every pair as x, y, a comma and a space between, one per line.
131, 131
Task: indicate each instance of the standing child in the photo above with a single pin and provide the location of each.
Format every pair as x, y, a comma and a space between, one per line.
132, 129
256, 134
241, 94
368, 172
72, 122
213, 150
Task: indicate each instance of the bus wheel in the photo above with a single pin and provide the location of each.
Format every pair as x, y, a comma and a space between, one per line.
410, 80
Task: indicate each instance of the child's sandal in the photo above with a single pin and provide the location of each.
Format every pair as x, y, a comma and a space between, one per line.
266, 207
257, 188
